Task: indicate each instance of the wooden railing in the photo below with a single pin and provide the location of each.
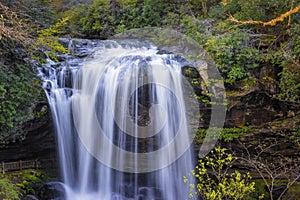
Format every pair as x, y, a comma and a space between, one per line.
19, 165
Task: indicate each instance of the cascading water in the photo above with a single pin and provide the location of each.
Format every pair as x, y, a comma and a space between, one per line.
120, 116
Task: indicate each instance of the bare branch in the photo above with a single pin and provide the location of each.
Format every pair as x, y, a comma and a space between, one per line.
271, 173
272, 22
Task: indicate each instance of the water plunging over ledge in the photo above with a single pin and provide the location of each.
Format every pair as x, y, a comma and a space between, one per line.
120, 114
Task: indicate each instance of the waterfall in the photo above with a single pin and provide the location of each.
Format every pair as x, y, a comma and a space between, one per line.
121, 119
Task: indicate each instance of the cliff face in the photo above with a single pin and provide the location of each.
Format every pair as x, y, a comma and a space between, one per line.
39, 144
257, 108
252, 104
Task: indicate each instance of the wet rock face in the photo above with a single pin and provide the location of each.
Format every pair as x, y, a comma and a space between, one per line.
257, 108
144, 193
268, 77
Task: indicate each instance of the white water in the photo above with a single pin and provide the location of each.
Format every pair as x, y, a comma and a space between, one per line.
117, 113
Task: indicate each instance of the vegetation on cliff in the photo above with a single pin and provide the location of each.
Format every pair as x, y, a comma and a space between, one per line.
20, 89
255, 44
14, 185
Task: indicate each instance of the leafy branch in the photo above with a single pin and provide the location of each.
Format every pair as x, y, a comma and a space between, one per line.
216, 179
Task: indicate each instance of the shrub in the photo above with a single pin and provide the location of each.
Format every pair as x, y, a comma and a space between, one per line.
233, 54
20, 91
216, 180
8, 190
48, 38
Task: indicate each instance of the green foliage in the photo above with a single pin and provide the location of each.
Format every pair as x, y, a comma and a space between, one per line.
8, 190
259, 10
76, 16
233, 48
297, 133
40, 13
294, 42
260, 189
218, 11
248, 10
216, 180
227, 134
20, 88
28, 181
48, 38
290, 82
101, 19
21, 183
98, 19
290, 74
19, 93
192, 29
233, 54
36, 13
135, 14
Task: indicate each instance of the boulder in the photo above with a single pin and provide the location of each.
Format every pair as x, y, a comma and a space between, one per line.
30, 197
52, 191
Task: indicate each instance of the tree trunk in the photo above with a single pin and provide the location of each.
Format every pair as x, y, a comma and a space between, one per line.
204, 8
113, 8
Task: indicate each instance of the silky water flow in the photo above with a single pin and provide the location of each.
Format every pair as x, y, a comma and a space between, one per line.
117, 107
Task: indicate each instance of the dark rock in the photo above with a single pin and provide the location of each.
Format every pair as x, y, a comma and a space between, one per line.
82, 54
256, 108
146, 193
61, 58
66, 73
52, 190
161, 52
278, 191
276, 138
268, 77
30, 197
